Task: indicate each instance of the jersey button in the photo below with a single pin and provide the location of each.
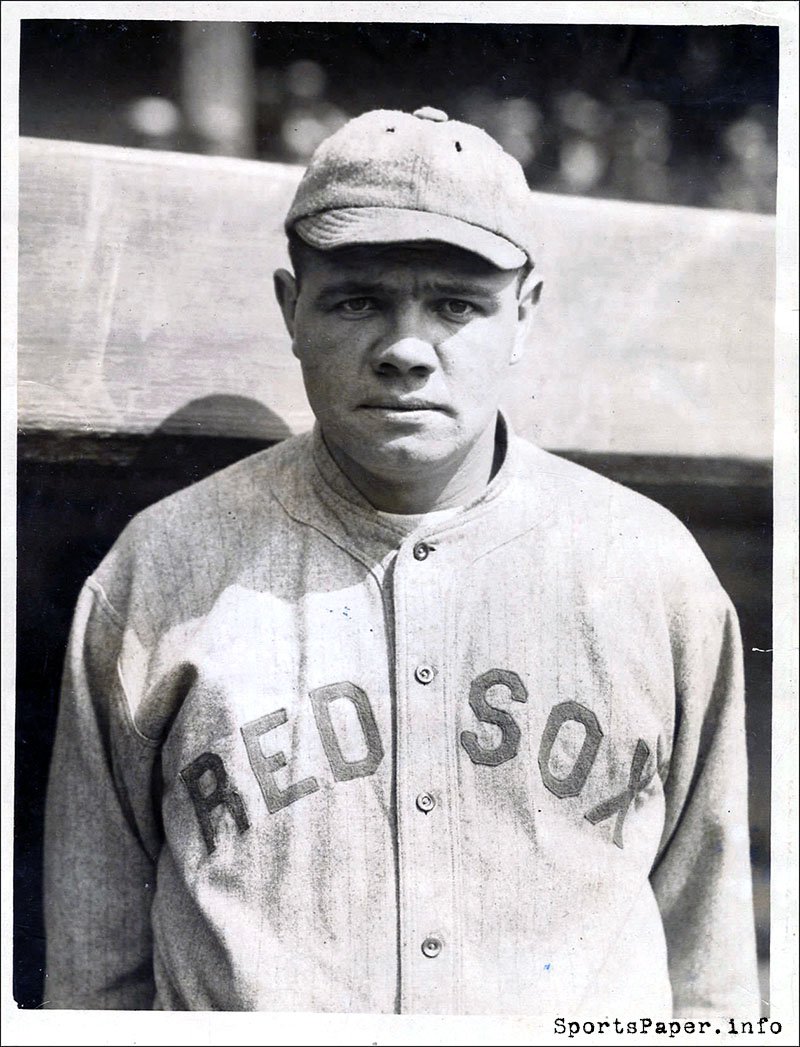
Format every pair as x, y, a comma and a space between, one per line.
431, 948
426, 802
424, 673
421, 550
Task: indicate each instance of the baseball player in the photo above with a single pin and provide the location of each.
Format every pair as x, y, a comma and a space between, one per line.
403, 714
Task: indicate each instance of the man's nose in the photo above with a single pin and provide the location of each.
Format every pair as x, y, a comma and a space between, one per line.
407, 347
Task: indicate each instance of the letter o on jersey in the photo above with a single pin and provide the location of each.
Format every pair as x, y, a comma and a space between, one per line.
576, 779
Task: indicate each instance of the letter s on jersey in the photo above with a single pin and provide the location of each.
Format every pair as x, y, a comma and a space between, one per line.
486, 713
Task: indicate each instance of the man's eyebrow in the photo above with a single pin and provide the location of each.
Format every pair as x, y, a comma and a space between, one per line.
455, 288
350, 286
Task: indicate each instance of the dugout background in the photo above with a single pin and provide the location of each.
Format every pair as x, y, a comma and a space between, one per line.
677, 116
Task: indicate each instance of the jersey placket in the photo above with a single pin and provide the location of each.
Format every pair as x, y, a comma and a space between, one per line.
426, 795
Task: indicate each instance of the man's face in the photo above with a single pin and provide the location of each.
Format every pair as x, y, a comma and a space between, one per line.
404, 352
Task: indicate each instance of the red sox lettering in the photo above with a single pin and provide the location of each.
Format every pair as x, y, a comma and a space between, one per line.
209, 786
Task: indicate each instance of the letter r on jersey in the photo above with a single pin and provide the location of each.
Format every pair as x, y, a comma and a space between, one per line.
222, 794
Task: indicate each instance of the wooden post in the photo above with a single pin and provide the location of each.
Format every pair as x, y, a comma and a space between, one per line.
217, 79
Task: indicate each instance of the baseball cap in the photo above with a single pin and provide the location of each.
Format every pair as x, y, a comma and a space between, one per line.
391, 177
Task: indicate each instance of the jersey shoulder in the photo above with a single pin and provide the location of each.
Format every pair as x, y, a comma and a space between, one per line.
247, 483
183, 542
613, 520
583, 488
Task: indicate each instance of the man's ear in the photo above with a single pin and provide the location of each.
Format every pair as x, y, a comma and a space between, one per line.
286, 293
527, 300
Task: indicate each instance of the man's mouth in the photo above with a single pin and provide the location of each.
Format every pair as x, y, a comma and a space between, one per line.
400, 405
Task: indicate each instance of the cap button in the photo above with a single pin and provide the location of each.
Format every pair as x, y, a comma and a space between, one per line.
429, 113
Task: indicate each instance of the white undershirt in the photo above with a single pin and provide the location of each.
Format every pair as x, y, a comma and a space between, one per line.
411, 521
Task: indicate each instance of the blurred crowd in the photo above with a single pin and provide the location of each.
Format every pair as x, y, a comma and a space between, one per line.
685, 126
613, 146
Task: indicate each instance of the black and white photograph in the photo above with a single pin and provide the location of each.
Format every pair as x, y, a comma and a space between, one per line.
399, 522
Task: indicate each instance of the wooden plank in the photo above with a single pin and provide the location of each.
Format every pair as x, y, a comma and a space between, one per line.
145, 303
125, 449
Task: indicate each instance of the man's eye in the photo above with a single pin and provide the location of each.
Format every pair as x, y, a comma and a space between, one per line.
356, 306
458, 309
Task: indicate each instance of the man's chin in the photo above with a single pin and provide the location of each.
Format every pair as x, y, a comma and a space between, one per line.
405, 458
397, 453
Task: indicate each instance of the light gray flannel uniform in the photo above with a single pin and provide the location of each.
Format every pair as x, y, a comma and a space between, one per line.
310, 757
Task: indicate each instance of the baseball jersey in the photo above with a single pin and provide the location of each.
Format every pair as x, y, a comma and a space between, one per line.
313, 757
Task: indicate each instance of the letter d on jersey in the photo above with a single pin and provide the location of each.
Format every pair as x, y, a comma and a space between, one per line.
321, 700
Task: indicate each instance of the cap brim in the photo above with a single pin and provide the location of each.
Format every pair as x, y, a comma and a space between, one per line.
387, 225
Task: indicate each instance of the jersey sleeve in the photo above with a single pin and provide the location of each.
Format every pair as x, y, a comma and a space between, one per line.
702, 877
99, 872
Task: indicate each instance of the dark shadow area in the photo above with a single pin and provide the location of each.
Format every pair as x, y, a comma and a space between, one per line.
76, 493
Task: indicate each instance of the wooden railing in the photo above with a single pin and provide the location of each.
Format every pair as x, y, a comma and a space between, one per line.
146, 303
